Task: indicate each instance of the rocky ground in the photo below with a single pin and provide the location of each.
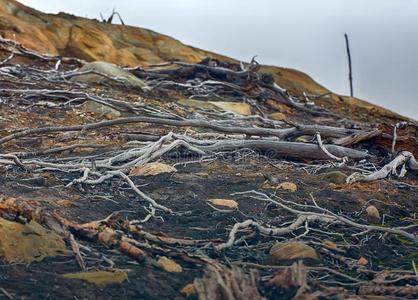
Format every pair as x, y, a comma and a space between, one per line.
196, 181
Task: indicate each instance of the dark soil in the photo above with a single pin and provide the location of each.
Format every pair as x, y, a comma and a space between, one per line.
186, 192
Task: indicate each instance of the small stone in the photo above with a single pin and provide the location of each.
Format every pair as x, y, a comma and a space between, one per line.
373, 212
336, 177
288, 186
188, 290
234, 107
224, 202
330, 245
292, 250
152, 169
202, 174
277, 116
99, 278
109, 116
104, 110
362, 261
169, 265
109, 70
304, 139
334, 186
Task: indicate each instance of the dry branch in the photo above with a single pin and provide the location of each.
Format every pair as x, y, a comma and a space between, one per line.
343, 159
275, 149
350, 73
327, 216
19, 49
357, 137
401, 291
281, 133
285, 98
404, 159
270, 231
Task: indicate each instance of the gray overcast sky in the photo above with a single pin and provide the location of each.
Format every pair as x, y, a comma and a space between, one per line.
303, 34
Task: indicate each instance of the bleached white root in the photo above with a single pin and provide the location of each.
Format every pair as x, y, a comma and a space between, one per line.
395, 135
86, 172
127, 159
343, 160
303, 218
276, 231
403, 160
97, 172
141, 194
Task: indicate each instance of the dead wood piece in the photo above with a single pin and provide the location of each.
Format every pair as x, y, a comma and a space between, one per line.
402, 135
325, 216
103, 233
112, 15
217, 72
12, 158
328, 131
111, 174
404, 291
281, 133
357, 138
58, 150
227, 284
140, 137
119, 105
273, 231
6, 293
76, 249
404, 159
350, 73
131, 250
274, 149
19, 49
164, 239
243, 77
284, 97
395, 134
343, 160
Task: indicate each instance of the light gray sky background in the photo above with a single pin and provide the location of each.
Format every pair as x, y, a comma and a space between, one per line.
303, 34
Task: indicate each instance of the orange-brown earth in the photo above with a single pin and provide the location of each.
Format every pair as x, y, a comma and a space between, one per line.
91, 40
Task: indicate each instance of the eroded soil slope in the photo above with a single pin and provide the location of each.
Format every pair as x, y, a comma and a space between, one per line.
193, 181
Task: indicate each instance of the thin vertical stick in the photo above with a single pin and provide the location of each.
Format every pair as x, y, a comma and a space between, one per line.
350, 76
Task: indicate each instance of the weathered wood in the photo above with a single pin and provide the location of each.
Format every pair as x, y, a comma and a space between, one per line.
275, 149
403, 159
252, 131
350, 74
357, 137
